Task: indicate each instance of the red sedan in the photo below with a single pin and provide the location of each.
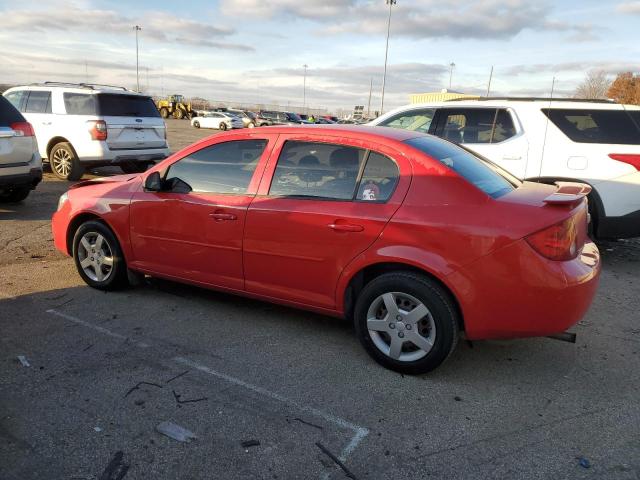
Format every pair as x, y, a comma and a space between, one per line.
412, 237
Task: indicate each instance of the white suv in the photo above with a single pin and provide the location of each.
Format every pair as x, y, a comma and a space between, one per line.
595, 142
82, 125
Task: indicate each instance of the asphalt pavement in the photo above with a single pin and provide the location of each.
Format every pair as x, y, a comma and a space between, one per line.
269, 392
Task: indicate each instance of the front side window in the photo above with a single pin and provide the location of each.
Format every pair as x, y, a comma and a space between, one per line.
485, 175
222, 168
317, 170
596, 125
414, 120
38, 102
79, 103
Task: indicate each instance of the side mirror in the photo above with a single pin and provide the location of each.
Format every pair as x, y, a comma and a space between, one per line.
153, 182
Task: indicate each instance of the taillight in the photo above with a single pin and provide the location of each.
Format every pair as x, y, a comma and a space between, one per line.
557, 242
632, 159
97, 129
22, 129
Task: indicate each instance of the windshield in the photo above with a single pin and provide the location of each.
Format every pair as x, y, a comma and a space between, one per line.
482, 173
293, 117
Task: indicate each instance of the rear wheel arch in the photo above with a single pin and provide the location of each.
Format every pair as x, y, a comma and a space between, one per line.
56, 140
368, 273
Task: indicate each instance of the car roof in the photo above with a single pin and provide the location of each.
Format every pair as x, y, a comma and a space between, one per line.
78, 88
360, 131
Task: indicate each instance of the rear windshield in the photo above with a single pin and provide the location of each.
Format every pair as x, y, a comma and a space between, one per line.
482, 173
597, 126
8, 113
111, 105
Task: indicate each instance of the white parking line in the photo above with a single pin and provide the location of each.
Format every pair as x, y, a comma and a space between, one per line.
98, 328
359, 433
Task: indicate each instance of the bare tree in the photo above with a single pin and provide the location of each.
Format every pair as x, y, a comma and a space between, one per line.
594, 86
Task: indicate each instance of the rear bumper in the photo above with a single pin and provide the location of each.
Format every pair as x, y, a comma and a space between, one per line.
626, 226
30, 179
99, 153
515, 292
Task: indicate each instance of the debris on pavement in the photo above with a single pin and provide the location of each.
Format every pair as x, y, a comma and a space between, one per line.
116, 469
584, 462
177, 376
336, 460
193, 400
249, 443
138, 385
308, 423
175, 432
97, 429
23, 360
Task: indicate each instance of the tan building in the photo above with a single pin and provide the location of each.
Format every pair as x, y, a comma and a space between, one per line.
441, 96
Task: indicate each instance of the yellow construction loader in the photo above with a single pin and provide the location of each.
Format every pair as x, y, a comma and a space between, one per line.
175, 106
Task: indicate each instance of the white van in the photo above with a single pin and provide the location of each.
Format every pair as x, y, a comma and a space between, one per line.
82, 125
595, 142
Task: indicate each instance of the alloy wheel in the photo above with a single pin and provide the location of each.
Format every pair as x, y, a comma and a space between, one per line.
61, 162
95, 256
401, 326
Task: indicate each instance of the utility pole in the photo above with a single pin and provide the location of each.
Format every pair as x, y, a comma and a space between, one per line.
304, 89
489, 85
369, 105
391, 3
451, 66
137, 28
86, 72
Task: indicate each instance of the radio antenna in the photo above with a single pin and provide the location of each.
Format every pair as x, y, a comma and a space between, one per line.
546, 127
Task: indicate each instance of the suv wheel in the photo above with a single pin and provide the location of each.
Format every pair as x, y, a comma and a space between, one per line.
15, 195
406, 322
65, 163
98, 256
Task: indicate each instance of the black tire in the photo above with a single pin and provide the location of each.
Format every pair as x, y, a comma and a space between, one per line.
164, 112
134, 167
251, 125
223, 126
115, 277
15, 195
433, 297
65, 163
196, 124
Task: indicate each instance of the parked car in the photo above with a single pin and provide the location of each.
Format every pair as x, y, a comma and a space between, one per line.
80, 125
281, 118
324, 121
595, 142
248, 118
20, 164
219, 120
409, 236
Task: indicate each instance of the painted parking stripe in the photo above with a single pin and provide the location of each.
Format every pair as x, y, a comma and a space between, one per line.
359, 432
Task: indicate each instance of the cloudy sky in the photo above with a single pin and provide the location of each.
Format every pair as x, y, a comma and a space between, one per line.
253, 50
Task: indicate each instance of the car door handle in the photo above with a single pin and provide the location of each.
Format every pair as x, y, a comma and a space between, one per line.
512, 157
221, 217
345, 227
46, 123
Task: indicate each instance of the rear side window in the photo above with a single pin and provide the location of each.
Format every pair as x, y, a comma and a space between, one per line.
476, 125
79, 103
38, 102
379, 179
597, 126
317, 170
8, 113
414, 120
223, 168
480, 172
113, 105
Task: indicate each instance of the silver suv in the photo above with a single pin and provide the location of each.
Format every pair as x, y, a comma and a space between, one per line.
20, 164
81, 125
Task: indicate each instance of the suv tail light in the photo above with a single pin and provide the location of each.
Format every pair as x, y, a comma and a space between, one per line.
22, 129
630, 158
557, 242
97, 129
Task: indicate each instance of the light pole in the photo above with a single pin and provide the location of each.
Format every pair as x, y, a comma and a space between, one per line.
451, 66
391, 3
304, 89
137, 28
